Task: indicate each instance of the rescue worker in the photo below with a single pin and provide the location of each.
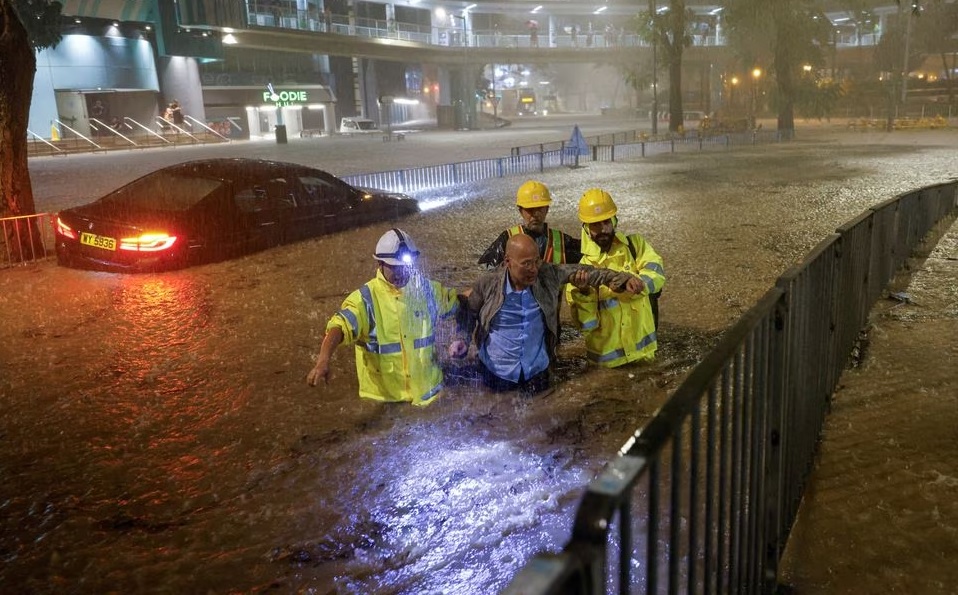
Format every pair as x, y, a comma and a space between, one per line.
392, 322
533, 200
619, 327
516, 307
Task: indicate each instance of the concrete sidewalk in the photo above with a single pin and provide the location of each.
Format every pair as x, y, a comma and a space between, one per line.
880, 514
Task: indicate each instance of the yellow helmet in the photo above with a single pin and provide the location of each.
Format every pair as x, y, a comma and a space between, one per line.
533, 195
596, 205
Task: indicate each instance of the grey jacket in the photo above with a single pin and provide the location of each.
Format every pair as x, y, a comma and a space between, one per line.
488, 295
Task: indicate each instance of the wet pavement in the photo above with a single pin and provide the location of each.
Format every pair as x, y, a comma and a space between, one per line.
157, 434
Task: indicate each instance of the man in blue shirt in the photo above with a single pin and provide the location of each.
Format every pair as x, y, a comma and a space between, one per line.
516, 307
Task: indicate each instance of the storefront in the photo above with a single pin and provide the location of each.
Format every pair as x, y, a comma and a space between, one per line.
254, 112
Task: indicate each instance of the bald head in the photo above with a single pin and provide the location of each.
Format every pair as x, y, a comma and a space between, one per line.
521, 246
522, 260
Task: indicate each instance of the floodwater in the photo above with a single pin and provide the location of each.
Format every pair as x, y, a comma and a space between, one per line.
157, 434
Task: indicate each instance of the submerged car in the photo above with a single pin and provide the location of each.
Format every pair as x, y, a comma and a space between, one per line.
215, 209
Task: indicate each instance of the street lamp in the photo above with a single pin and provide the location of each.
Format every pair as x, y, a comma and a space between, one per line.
756, 74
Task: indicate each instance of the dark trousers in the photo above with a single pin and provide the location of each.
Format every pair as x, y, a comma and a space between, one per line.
530, 386
654, 302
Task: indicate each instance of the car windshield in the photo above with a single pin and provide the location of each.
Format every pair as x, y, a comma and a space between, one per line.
164, 191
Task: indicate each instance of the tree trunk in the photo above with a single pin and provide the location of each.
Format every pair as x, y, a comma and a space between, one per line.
676, 112
18, 65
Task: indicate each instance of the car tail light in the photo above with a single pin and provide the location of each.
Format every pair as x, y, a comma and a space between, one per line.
65, 230
148, 242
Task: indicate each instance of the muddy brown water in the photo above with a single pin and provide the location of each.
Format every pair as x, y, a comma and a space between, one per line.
157, 434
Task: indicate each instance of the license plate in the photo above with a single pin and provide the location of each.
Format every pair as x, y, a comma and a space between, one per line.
91, 239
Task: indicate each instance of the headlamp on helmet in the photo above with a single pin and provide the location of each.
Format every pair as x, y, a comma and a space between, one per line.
396, 248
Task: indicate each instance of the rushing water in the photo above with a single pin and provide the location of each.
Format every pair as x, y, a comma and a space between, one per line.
157, 434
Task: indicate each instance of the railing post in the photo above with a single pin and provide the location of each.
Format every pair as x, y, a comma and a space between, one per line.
643, 149
775, 428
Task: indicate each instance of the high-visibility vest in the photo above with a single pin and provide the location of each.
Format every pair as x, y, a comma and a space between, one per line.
555, 249
618, 327
393, 330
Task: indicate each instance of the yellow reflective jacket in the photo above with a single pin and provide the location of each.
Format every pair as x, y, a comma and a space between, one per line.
394, 333
618, 327
555, 246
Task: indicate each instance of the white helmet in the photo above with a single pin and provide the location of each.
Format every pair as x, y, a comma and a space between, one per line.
396, 248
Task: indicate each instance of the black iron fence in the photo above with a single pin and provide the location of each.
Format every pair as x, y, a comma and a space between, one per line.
26, 238
703, 497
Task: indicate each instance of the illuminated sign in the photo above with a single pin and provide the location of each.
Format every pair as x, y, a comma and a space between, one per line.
282, 98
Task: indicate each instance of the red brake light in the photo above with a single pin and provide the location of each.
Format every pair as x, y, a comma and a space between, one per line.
65, 230
148, 242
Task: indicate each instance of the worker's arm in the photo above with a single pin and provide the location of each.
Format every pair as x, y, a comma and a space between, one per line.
334, 336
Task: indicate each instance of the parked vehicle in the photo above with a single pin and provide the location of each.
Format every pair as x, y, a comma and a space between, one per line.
214, 209
349, 126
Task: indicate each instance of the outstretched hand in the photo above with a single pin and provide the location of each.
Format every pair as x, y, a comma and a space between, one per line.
320, 370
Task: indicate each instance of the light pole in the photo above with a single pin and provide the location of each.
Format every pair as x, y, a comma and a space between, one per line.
655, 77
756, 74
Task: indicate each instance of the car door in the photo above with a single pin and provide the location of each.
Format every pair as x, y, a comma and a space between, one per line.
267, 204
329, 203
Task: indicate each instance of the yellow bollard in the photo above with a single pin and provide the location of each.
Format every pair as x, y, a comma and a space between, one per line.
54, 132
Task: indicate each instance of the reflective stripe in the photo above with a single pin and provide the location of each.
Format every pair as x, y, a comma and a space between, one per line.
606, 356
424, 342
649, 283
588, 326
656, 267
555, 253
387, 348
351, 320
645, 342
370, 311
451, 312
431, 393
608, 304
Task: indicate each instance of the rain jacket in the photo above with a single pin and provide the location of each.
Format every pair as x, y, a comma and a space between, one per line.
554, 246
618, 327
393, 330
488, 294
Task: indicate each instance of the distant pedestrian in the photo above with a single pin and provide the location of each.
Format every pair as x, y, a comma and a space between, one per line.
328, 19
574, 33
176, 113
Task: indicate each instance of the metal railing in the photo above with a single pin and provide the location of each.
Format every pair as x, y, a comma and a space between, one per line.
703, 497
437, 176
26, 238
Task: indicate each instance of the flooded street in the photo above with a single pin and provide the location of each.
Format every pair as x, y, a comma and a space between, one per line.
157, 433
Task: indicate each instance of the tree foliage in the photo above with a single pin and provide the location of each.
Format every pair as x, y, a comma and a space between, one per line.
779, 38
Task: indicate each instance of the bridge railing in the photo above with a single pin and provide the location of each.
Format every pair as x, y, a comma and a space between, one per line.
703, 497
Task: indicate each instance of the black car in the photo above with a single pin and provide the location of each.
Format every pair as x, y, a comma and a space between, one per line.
213, 209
